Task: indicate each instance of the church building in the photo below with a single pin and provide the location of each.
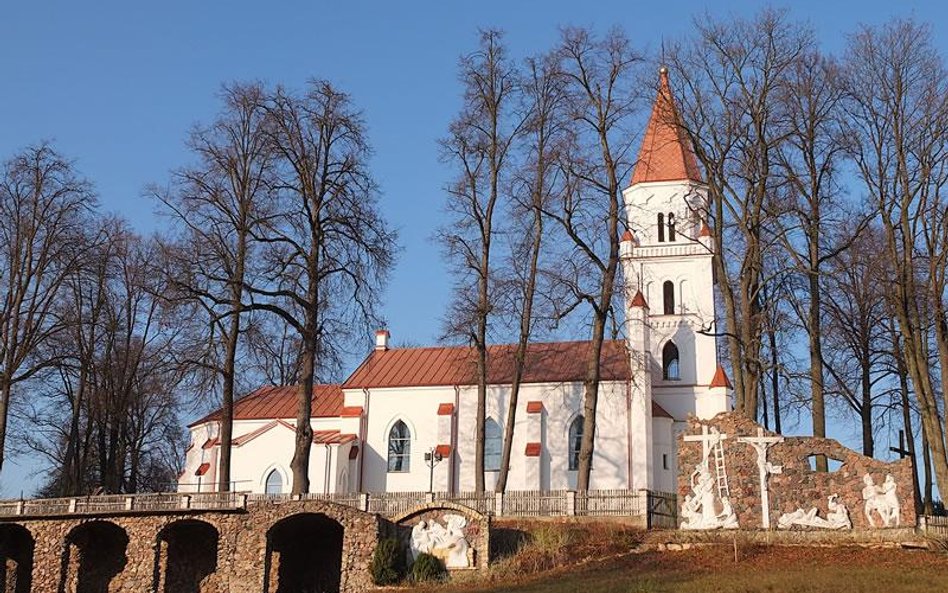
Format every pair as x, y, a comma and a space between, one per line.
404, 420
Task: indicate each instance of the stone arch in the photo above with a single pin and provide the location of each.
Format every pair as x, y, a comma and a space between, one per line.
16, 558
186, 554
94, 553
316, 566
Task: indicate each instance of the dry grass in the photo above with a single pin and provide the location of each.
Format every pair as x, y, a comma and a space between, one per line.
558, 558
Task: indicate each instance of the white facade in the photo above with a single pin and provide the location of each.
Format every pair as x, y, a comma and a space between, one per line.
672, 372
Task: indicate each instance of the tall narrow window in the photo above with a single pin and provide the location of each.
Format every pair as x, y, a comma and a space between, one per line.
661, 227
493, 443
668, 296
575, 442
274, 483
671, 226
670, 370
399, 448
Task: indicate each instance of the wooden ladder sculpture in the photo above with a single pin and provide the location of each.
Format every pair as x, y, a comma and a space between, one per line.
724, 492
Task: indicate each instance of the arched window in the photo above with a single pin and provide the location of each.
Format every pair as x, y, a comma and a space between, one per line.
670, 370
575, 441
661, 227
493, 444
399, 448
668, 296
274, 483
671, 226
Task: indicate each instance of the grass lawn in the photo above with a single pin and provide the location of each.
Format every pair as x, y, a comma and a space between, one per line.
758, 569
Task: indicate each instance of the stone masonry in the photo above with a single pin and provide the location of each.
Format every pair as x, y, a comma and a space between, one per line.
797, 486
187, 552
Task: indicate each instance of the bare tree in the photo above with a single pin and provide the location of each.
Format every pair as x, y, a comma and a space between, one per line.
812, 211
328, 251
597, 74
43, 208
479, 146
857, 331
730, 77
897, 107
537, 182
217, 205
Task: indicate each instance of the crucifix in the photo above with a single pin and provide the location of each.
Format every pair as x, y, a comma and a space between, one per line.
760, 443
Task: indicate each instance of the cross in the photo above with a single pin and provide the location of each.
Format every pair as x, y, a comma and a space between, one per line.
707, 439
760, 443
901, 450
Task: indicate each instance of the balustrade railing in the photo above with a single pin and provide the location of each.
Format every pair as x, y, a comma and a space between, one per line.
530, 503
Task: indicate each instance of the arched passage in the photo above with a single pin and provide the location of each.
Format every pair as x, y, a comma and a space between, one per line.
304, 555
185, 556
94, 554
16, 556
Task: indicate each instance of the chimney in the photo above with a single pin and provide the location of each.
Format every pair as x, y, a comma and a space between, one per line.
381, 339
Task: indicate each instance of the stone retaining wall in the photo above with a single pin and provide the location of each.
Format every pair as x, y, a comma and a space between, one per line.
243, 550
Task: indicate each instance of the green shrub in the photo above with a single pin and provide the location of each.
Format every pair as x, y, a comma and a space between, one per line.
387, 567
428, 568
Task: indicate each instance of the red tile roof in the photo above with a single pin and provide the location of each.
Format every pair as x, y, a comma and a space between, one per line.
534, 407
659, 411
211, 443
554, 362
639, 300
533, 450
720, 379
331, 437
351, 412
445, 409
202, 469
666, 153
280, 402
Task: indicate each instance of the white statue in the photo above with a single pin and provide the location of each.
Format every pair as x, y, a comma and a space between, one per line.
701, 509
838, 515
447, 543
836, 518
883, 500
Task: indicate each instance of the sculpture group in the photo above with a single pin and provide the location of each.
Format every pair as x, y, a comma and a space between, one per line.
446, 542
707, 502
836, 518
883, 500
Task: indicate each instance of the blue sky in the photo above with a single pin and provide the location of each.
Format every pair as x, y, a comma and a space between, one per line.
117, 85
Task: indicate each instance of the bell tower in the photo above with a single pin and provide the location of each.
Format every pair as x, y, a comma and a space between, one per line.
667, 257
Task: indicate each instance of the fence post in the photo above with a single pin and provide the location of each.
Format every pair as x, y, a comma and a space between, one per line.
72, 505
570, 503
364, 501
186, 502
923, 523
648, 509
129, 503
242, 501
429, 497
19, 507
499, 504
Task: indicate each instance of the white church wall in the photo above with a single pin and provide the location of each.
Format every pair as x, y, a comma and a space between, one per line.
665, 459
418, 408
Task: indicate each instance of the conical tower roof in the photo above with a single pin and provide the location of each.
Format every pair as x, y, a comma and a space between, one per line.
666, 153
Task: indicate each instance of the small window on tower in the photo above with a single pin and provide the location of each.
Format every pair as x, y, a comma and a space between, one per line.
671, 226
668, 296
665, 461
661, 227
670, 370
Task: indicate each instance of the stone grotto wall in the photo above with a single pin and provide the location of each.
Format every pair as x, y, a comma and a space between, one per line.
799, 497
435, 529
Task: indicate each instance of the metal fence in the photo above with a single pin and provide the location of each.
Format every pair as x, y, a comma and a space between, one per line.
660, 508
